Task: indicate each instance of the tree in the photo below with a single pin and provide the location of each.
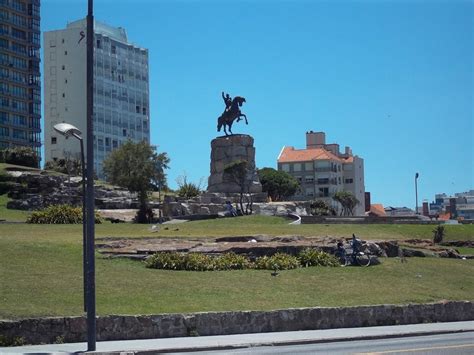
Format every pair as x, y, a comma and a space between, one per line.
321, 208
239, 172
348, 202
278, 184
137, 167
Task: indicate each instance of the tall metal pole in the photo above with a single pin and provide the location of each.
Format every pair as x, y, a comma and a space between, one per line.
416, 192
84, 220
91, 320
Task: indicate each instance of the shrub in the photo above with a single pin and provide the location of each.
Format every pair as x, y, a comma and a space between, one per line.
167, 261
438, 234
59, 214
232, 261
69, 166
278, 261
6, 182
11, 341
24, 156
187, 189
314, 257
199, 262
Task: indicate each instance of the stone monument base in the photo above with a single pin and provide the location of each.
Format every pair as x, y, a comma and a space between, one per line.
229, 149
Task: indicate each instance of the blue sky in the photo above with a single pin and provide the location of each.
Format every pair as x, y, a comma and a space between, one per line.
393, 80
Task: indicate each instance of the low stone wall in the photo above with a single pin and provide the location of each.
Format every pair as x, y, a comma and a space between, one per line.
73, 329
364, 220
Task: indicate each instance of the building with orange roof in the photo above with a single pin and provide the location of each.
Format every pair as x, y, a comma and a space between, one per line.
322, 170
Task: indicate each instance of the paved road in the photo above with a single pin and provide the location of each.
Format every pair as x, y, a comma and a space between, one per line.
456, 344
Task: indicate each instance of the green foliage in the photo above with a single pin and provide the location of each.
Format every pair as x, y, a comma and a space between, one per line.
137, 167
199, 262
278, 261
167, 261
59, 214
279, 185
68, 166
314, 257
6, 182
187, 189
24, 156
348, 202
239, 172
321, 208
438, 234
14, 341
232, 261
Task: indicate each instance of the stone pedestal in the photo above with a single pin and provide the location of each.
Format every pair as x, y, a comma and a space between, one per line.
228, 149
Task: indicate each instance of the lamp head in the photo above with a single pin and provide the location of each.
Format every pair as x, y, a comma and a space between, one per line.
67, 130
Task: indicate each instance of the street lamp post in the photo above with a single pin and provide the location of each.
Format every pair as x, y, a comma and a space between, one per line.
416, 192
68, 130
91, 318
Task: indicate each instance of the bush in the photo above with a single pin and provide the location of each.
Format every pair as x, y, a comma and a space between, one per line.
187, 189
167, 261
59, 214
24, 156
65, 166
6, 182
438, 234
232, 261
278, 261
314, 257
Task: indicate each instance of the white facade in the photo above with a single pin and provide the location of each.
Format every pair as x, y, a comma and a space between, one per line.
121, 90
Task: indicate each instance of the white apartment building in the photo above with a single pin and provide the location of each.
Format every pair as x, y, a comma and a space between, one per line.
121, 90
322, 170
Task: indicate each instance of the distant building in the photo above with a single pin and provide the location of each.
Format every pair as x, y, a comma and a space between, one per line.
460, 205
121, 89
20, 84
322, 170
399, 211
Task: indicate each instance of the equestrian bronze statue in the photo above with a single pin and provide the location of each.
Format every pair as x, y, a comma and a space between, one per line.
231, 113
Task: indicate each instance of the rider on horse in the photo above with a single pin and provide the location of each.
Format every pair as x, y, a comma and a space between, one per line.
227, 100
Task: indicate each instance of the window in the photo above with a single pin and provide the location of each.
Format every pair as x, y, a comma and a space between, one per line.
347, 167
64, 95
113, 49
65, 52
98, 44
323, 181
137, 109
3, 43
285, 167
124, 132
349, 181
144, 110
4, 117
18, 34
19, 120
297, 167
63, 67
323, 192
19, 134
4, 132
308, 166
309, 178
54, 140
4, 29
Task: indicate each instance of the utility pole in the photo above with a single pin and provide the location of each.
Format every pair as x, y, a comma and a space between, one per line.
91, 319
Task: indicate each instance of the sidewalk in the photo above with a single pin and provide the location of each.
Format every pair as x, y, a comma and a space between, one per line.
223, 342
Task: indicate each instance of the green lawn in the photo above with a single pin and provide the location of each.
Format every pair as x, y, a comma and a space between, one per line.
249, 225
11, 215
41, 269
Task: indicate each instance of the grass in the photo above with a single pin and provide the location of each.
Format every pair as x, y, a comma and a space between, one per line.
42, 274
11, 215
42, 266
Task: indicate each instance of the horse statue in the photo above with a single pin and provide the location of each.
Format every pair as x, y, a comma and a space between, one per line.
230, 114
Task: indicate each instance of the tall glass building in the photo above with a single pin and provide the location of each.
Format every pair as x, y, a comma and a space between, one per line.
121, 90
20, 80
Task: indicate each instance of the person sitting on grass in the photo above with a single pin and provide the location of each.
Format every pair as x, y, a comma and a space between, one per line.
230, 210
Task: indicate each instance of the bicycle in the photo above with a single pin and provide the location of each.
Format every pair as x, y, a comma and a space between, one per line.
354, 257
